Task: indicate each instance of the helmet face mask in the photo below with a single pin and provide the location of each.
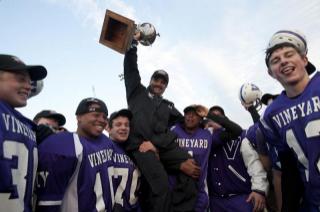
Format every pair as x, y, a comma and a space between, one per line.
250, 95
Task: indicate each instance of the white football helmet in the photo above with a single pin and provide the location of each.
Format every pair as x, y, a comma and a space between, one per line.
250, 94
36, 88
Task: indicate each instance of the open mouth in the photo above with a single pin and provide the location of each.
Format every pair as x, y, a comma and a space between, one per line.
287, 70
123, 134
99, 127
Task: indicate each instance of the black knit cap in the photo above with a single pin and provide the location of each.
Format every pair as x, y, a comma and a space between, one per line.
86, 106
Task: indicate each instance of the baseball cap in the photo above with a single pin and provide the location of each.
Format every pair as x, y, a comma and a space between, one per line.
13, 63
200, 110
289, 37
160, 74
86, 106
265, 97
51, 114
123, 112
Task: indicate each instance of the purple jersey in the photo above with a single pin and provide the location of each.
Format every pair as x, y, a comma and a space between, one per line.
227, 173
198, 145
18, 160
255, 137
74, 174
125, 180
294, 123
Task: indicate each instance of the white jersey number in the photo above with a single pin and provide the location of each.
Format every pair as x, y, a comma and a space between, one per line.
117, 196
312, 130
100, 203
13, 149
123, 172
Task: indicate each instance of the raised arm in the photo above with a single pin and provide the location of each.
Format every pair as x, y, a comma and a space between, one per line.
132, 77
232, 130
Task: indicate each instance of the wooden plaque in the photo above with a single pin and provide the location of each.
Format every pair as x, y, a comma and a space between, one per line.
117, 32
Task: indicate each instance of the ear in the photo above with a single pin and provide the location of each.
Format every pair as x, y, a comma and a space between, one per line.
270, 73
107, 128
305, 60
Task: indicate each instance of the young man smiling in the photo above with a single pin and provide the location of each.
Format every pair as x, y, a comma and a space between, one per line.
18, 149
291, 123
192, 137
126, 178
74, 168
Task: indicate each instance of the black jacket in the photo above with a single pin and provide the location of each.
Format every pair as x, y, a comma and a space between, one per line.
152, 115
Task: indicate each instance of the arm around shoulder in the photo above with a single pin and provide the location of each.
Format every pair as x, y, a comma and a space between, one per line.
232, 129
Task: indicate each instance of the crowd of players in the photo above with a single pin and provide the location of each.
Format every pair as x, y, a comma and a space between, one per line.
157, 159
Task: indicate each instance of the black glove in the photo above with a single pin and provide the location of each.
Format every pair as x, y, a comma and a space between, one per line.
42, 132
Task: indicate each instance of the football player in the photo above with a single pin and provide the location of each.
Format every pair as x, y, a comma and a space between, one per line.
126, 178
236, 178
192, 137
291, 122
18, 151
75, 169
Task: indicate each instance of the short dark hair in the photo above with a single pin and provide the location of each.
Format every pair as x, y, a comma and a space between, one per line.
218, 108
116, 114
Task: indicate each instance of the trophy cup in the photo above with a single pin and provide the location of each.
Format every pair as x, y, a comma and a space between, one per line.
118, 32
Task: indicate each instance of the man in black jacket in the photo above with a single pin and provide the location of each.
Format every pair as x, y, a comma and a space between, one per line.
152, 117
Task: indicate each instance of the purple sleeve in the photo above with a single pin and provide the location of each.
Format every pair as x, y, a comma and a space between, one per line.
256, 138
57, 162
270, 133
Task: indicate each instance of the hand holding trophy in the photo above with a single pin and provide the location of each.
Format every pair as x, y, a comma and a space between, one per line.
118, 32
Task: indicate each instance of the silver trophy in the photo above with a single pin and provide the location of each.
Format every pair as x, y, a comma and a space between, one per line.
147, 32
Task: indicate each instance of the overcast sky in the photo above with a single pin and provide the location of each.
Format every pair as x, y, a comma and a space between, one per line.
208, 47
